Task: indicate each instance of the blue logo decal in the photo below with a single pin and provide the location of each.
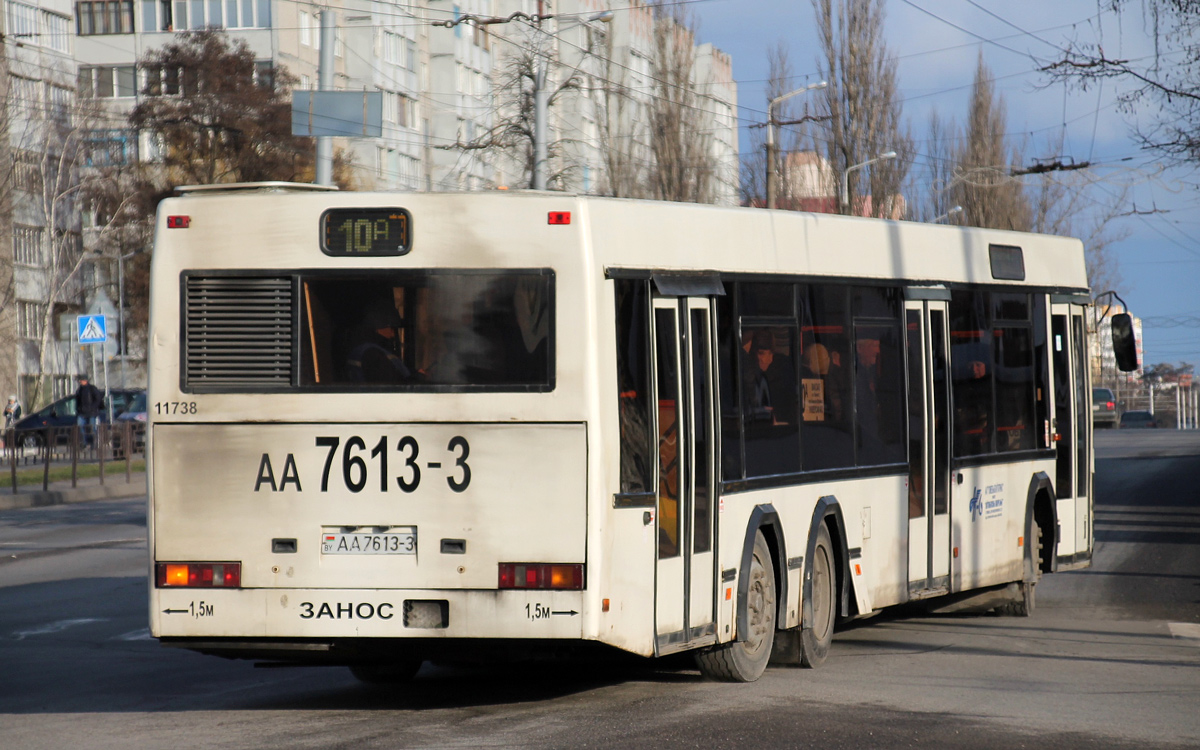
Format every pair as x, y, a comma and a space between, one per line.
987, 502
976, 506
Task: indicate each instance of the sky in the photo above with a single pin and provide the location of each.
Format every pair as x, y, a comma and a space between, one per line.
1159, 260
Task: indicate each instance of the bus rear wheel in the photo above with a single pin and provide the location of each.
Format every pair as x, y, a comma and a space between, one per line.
387, 673
815, 640
746, 660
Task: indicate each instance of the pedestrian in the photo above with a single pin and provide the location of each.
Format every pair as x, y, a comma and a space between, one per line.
12, 412
88, 403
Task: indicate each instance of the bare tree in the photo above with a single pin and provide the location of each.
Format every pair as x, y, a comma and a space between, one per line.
984, 187
621, 126
684, 168
8, 365
1071, 205
1170, 88
509, 139
51, 150
862, 104
932, 191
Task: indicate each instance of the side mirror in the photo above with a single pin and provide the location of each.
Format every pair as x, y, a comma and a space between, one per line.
1124, 344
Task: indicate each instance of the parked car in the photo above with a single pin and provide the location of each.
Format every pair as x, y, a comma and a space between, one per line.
135, 415
30, 431
1136, 419
1104, 408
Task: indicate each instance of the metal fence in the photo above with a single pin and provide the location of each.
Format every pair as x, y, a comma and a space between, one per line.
112, 448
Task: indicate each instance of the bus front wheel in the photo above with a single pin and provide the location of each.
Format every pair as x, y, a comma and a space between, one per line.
1023, 600
815, 639
746, 660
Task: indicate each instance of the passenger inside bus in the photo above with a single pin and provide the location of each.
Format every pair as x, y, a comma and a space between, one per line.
972, 397
418, 329
375, 351
769, 396
771, 383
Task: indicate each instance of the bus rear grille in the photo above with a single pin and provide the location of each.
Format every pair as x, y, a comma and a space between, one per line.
237, 331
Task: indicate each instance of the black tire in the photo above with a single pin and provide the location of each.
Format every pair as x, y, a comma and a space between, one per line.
387, 673
746, 660
31, 440
1023, 604
815, 640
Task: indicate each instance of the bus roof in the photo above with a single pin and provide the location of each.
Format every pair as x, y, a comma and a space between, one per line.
626, 236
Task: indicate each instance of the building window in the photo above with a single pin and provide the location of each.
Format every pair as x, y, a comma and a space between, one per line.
97, 82
29, 320
264, 74
104, 17
27, 172
305, 29
27, 245
107, 148
36, 27
59, 101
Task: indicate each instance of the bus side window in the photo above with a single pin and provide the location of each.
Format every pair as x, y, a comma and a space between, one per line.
728, 389
633, 385
972, 370
827, 441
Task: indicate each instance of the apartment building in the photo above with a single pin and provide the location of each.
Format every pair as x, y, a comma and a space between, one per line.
457, 115
43, 273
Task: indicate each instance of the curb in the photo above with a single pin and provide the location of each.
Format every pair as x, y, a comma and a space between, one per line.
118, 488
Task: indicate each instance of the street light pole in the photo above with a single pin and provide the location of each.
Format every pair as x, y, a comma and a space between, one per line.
541, 98
123, 341
846, 175
772, 176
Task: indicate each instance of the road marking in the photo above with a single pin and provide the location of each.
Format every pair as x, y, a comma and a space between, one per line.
55, 627
136, 635
1190, 630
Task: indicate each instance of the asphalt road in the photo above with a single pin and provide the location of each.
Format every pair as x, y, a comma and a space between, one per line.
1111, 658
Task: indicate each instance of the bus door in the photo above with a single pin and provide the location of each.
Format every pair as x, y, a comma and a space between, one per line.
685, 581
929, 448
1072, 430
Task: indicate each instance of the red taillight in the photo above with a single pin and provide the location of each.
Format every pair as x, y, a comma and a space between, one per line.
198, 575
179, 222
559, 217
567, 576
1110, 405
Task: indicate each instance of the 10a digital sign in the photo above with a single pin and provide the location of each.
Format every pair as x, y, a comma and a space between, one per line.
366, 232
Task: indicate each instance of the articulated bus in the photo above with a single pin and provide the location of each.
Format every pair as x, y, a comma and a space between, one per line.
395, 428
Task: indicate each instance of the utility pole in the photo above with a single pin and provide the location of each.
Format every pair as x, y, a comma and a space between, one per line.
772, 175
541, 107
325, 83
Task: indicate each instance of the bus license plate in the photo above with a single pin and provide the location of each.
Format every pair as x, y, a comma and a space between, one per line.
398, 541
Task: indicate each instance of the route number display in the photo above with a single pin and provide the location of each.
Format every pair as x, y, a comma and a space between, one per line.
368, 232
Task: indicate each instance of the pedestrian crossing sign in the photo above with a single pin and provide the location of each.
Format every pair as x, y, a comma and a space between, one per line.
92, 329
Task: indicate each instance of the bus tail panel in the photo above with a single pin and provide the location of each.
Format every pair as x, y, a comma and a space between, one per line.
368, 506
251, 614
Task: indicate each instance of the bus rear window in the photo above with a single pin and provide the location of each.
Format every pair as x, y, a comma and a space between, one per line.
417, 330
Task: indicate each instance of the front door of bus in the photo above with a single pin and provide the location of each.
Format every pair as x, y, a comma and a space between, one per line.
685, 582
929, 449
1072, 427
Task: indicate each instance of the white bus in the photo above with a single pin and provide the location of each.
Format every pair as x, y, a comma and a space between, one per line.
391, 428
